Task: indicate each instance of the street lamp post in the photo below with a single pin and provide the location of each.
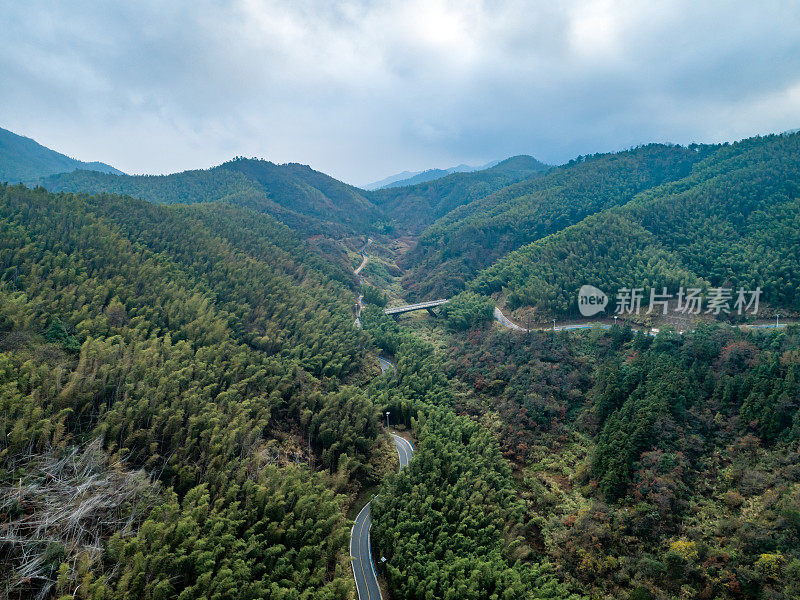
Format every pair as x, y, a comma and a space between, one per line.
777, 320
387, 419
615, 319
554, 324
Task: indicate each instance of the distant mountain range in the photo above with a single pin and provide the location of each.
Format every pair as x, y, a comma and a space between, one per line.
419, 205
413, 177
306, 200
24, 160
295, 194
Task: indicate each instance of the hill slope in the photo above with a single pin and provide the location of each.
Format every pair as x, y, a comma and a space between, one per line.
303, 190
205, 345
734, 221
477, 233
24, 160
415, 207
297, 195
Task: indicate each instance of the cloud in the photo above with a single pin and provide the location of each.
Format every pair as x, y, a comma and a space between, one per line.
363, 89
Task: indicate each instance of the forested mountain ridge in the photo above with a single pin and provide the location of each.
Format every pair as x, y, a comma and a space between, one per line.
205, 344
417, 206
308, 192
734, 221
24, 160
474, 235
302, 198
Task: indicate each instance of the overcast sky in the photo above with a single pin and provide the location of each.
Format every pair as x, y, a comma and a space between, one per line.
362, 89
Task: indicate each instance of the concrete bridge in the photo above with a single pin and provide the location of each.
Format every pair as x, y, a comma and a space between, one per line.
429, 306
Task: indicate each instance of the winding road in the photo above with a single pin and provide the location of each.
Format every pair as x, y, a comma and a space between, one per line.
357, 271
506, 322
360, 547
365, 260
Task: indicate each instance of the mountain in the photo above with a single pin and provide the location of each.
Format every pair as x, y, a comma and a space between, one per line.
478, 232
24, 160
414, 207
302, 189
387, 181
302, 198
733, 222
431, 174
413, 177
305, 199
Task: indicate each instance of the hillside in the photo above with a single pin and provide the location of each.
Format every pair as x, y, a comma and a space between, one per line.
24, 160
303, 190
733, 222
204, 344
199, 364
647, 468
417, 206
304, 199
477, 233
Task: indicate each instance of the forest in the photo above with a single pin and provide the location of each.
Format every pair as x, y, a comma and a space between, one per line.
450, 524
733, 222
457, 246
649, 467
210, 351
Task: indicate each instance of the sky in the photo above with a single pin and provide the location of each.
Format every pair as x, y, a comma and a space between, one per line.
362, 90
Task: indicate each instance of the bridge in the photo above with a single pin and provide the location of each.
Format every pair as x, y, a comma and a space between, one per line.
429, 306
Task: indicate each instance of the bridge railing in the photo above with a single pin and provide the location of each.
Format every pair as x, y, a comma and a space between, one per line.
420, 306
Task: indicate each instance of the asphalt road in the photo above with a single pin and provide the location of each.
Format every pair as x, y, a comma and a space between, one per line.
386, 365
363, 567
360, 549
366, 259
404, 449
506, 322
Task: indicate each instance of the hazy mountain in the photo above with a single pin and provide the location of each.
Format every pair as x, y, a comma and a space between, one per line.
24, 160
387, 181
414, 207
413, 177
